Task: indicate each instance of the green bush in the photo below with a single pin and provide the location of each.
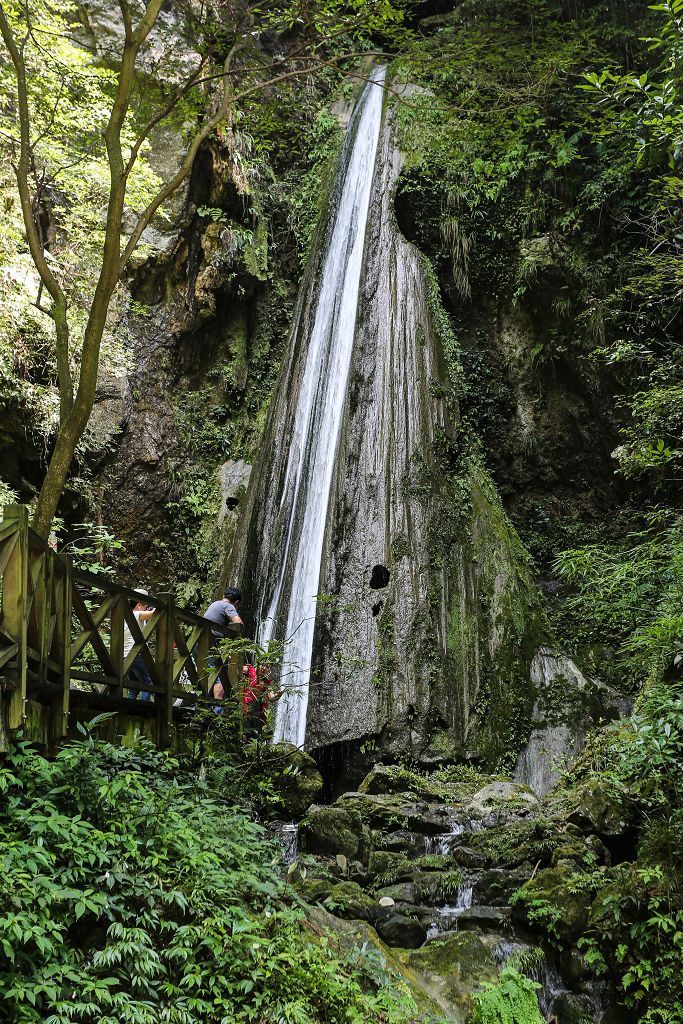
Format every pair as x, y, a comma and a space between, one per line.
129, 894
511, 999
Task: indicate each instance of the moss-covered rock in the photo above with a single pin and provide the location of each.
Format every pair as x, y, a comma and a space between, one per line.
347, 899
455, 966
514, 843
313, 890
404, 892
295, 777
438, 887
389, 867
403, 811
334, 830
598, 806
496, 886
410, 843
553, 904
350, 936
497, 795
402, 931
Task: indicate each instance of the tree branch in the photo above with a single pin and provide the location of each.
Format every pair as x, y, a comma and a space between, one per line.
22, 170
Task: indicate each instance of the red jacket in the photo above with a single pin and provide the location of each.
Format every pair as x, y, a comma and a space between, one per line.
256, 690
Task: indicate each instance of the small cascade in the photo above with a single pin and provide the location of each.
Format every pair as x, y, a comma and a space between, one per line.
288, 837
446, 918
440, 845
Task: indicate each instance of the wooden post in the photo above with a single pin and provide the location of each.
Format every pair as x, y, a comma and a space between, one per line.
62, 639
116, 644
40, 581
14, 598
164, 659
201, 657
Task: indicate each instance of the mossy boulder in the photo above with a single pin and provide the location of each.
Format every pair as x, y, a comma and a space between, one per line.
404, 892
410, 843
549, 903
295, 777
495, 887
334, 830
572, 1009
455, 966
348, 900
501, 795
599, 806
392, 867
391, 812
313, 890
351, 936
483, 919
438, 887
398, 930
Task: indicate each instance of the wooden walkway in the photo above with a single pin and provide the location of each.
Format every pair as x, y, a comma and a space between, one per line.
62, 644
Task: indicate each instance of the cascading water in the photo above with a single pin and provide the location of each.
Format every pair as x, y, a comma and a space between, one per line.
317, 420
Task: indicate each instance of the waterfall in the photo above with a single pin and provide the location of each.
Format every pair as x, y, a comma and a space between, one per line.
305, 487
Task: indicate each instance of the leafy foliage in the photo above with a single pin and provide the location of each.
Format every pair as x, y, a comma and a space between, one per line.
511, 999
131, 893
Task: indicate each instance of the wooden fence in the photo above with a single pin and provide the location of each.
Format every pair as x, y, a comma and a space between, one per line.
62, 641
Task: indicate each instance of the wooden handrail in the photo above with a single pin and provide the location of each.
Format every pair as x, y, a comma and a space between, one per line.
59, 625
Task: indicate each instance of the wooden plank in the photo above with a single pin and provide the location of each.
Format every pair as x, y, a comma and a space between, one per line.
7, 545
201, 659
95, 639
164, 638
7, 653
14, 598
117, 641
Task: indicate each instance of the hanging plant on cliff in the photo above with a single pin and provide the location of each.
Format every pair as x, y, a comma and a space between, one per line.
88, 93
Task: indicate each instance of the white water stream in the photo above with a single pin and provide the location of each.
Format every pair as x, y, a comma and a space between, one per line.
320, 404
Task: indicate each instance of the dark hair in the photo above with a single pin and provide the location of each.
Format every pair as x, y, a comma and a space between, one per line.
233, 594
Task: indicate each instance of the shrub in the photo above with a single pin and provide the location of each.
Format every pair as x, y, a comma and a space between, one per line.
129, 894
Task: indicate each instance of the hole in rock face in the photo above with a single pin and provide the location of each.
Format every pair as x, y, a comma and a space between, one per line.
380, 577
376, 609
231, 503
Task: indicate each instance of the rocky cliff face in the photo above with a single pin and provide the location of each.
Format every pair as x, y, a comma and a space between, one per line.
424, 648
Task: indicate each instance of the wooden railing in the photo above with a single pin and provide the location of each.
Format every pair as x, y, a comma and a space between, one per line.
62, 639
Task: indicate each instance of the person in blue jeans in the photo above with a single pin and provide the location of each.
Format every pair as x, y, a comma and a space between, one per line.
138, 671
223, 613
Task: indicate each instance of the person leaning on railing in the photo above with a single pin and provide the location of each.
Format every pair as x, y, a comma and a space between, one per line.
138, 671
224, 614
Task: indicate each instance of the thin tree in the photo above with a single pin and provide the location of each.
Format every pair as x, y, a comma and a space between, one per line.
325, 35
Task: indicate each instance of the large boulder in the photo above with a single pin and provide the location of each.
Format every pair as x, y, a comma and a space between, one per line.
410, 843
483, 919
334, 830
454, 966
404, 892
550, 903
358, 935
599, 806
295, 777
387, 811
347, 899
496, 886
497, 795
389, 867
399, 930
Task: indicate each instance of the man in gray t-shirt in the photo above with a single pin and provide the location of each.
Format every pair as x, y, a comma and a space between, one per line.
224, 612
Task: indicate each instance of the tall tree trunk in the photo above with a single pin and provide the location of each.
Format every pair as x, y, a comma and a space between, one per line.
71, 429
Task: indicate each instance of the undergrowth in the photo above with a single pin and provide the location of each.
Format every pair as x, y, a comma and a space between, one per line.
132, 894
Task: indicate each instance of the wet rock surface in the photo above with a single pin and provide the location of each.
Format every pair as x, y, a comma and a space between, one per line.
504, 876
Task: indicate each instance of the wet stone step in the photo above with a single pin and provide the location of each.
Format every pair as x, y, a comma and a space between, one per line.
480, 918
